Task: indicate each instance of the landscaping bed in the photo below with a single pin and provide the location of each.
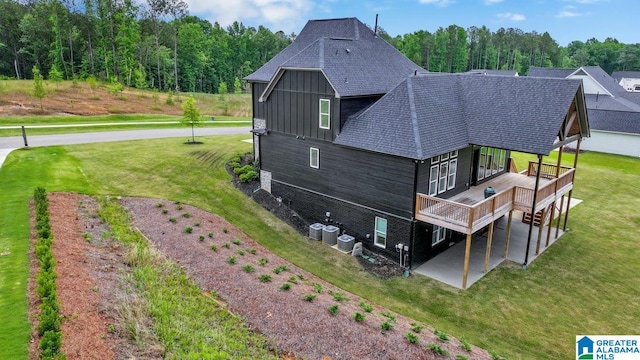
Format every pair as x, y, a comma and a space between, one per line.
290, 307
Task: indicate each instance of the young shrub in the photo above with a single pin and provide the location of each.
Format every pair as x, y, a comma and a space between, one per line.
178, 207
265, 278
159, 205
263, 261
165, 211
300, 276
231, 260
317, 288
293, 280
437, 349
201, 237
248, 268
285, 287
359, 317
188, 230
186, 215
240, 252
214, 247
441, 335
227, 245
416, 328
366, 307
338, 296
389, 316
461, 357
412, 338
196, 224
237, 241
333, 310
225, 230
210, 235
386, 326
173, 220
309, 297
280, 269
251, 251
249, 176
465, 344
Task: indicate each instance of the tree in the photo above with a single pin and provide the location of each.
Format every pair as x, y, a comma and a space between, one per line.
55, 75
191, 115
237, 86
38, 86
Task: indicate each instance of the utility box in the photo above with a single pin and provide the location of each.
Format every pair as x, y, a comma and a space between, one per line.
330, 235
345, 242
315, 231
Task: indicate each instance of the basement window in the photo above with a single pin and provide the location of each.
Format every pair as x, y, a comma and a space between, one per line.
325, 114
381, 232
314, 158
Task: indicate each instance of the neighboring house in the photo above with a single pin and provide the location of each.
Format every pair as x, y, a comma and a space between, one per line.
350, 132
614, 114
629, 80
493, 72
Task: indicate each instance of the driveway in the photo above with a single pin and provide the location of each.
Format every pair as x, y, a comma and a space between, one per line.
8, 144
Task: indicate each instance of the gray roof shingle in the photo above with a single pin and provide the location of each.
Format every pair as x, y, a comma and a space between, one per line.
618, 121
429, 115
493, 72
352, 57
619, 75
535, 71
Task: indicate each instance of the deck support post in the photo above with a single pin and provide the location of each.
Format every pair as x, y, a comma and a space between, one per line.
506, 242
465, 269
533, 212
553, 212
540, 227
553, 207
559, 215
575, 166
487, 254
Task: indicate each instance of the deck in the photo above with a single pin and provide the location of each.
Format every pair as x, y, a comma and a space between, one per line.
469, 211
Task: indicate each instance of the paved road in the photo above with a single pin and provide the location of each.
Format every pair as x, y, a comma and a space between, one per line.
7, 144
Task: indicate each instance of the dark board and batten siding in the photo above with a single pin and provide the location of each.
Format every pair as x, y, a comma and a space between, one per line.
378, 181
293, 106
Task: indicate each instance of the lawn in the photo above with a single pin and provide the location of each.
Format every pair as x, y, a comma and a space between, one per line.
586, 283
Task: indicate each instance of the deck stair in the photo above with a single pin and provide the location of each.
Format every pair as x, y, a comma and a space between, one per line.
526, 216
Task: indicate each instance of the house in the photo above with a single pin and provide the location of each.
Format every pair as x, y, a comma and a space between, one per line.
629, 80
614, 114
348, 131
493, 72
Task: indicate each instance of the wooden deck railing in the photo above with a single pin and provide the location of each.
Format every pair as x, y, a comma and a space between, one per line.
471, 218
548, 170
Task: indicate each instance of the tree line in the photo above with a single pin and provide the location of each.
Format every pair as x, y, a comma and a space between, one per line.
158, 45
153, 45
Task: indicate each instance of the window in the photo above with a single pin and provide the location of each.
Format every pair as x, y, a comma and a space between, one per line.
439, 234
442, 173
503, 154
381, 232
325, 114
433, 180
481, 162
314, 158
453, 168
442, 180
491, 162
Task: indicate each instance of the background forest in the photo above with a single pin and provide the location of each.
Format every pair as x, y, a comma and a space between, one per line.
158, 45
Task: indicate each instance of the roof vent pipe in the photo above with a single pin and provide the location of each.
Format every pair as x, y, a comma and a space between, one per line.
375, 28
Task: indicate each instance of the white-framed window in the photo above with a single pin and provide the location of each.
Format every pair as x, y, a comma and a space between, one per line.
442, 173
481, 162
314, 158
380, 238
453, 169
433, 180
502, 160
325, 114
491, 162
439, 234
489, 159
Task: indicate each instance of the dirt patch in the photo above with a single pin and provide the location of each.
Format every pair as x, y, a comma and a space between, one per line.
93, 293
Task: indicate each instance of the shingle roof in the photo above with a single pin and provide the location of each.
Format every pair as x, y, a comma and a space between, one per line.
535, 71
493, 72
619, 75
431, 114
618, 121
352, 57
604, 79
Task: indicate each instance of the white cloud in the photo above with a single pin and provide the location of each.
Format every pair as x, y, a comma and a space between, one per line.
441, 3
285, 15
569, 11
511, 16
492, 2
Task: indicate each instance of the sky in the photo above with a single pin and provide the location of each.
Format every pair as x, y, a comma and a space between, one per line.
565, 20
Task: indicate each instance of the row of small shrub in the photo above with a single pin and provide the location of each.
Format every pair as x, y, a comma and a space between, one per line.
49, 317
246, 173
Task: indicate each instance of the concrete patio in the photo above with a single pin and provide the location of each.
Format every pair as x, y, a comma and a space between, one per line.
447, 267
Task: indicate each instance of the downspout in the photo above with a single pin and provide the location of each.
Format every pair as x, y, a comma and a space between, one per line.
409, 253
533, 208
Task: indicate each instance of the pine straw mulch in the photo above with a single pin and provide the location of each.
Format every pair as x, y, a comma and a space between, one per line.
296, 327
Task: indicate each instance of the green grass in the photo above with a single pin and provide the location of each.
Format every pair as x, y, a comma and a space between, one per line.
586, 283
